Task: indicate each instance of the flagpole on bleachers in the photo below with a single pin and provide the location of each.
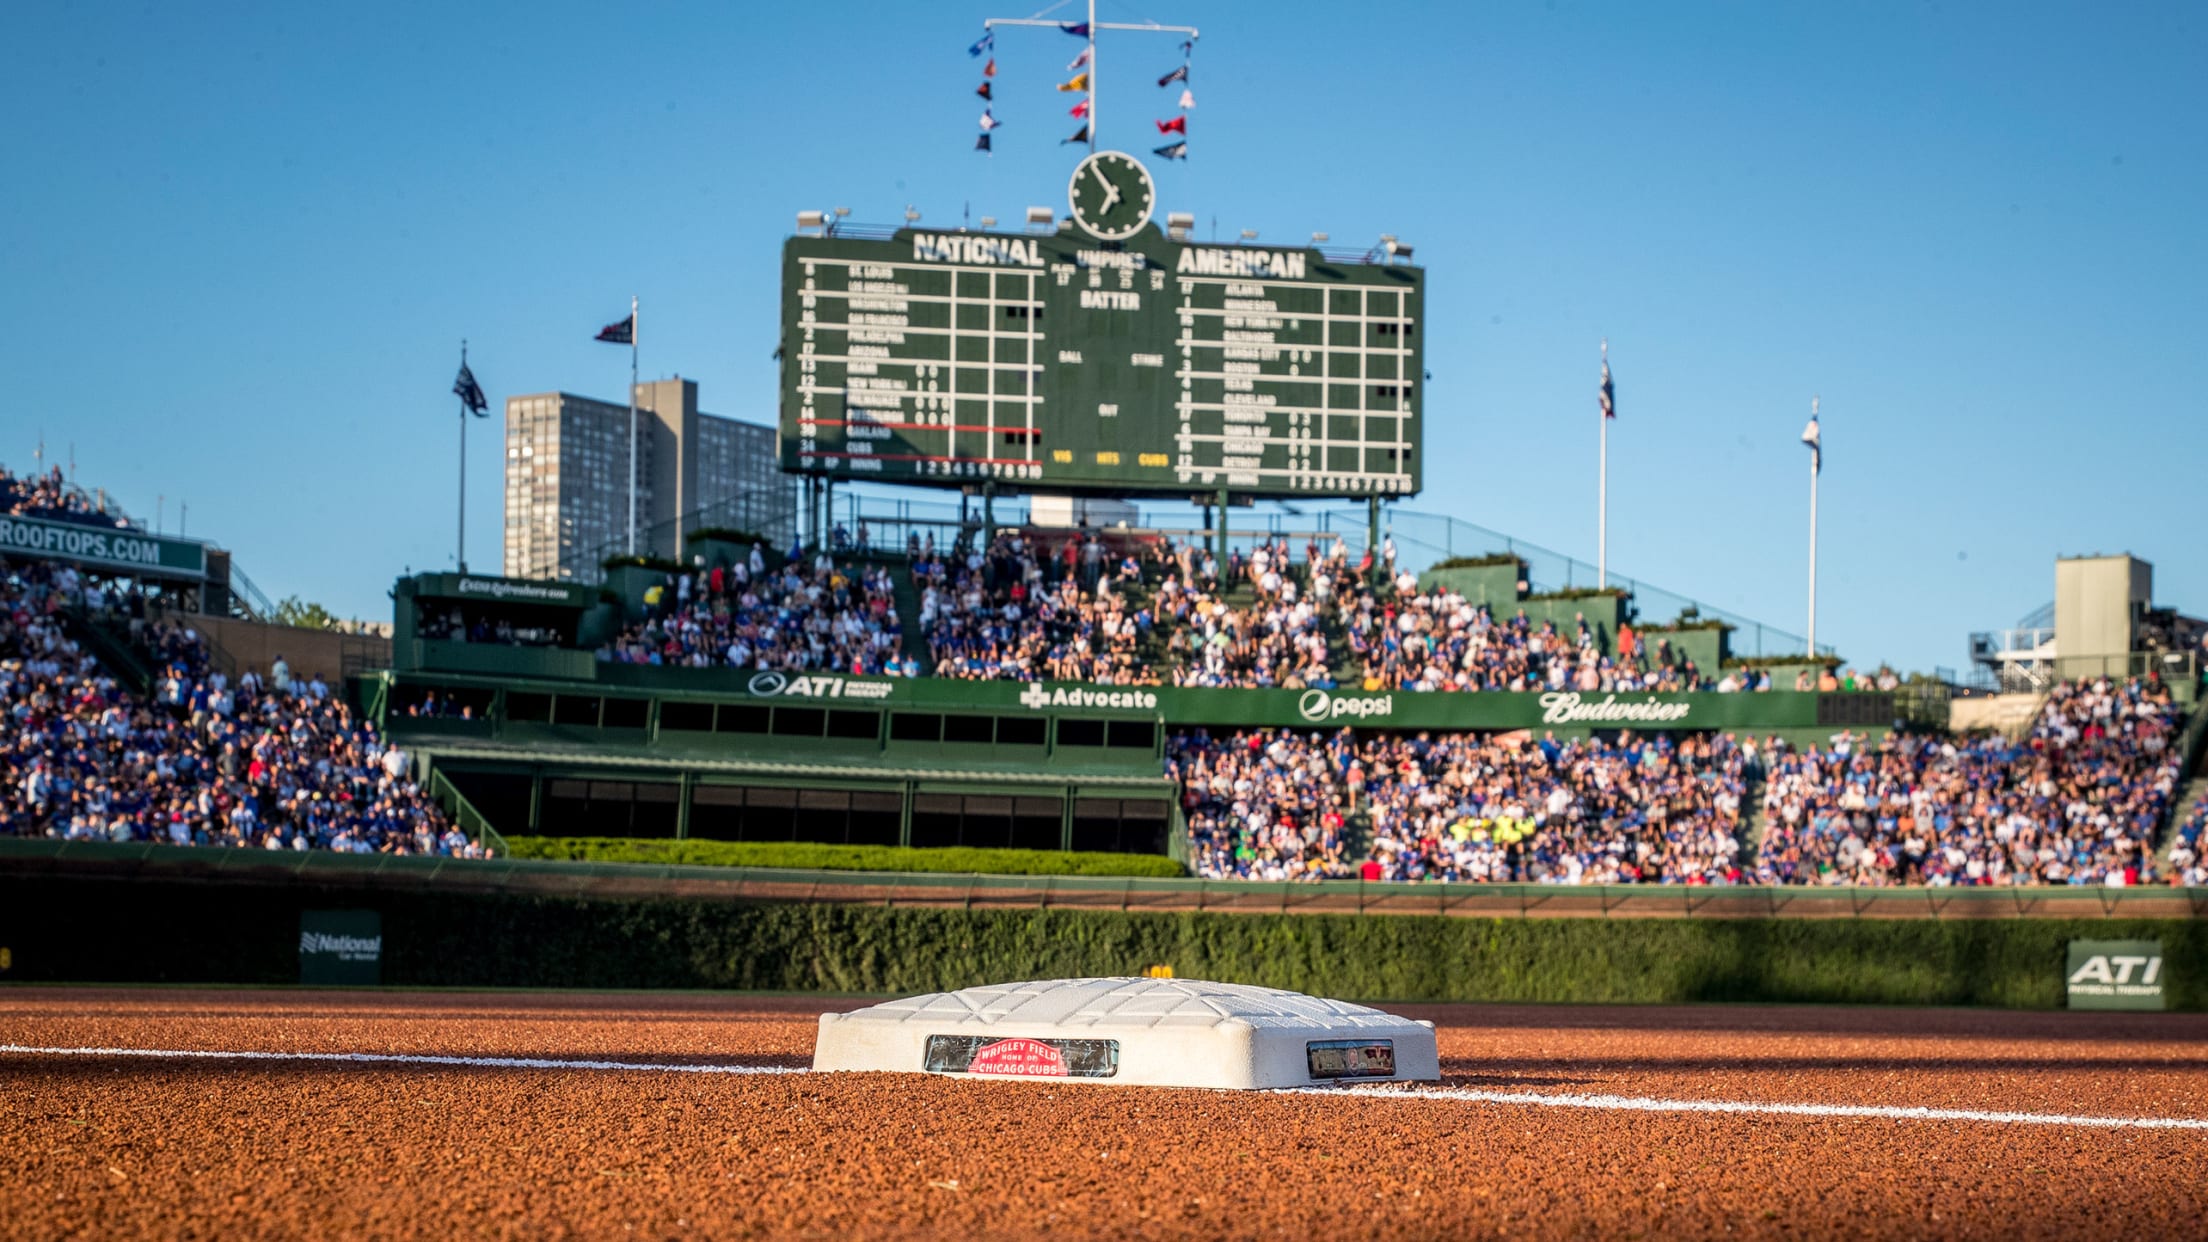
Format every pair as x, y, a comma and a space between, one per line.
1602, 481
632, 424
1092, 77
460, 548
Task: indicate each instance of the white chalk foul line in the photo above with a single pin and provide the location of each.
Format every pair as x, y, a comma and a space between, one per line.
1646, 1104
1612, 1103
400, 1058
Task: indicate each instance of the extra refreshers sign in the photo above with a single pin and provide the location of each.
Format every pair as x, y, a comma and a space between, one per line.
341, 948
102, 547
2115, 974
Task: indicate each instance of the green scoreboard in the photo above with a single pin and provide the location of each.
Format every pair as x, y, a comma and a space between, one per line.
1065, 360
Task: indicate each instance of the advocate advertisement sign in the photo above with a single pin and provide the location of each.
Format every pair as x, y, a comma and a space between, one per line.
112, 548
2114, 974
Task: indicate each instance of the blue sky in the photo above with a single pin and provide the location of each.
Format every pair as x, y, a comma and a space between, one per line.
240, 245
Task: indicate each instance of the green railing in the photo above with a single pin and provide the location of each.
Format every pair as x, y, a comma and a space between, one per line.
1346, 897
463, 812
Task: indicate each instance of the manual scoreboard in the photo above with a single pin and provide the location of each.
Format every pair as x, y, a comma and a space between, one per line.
1061, 360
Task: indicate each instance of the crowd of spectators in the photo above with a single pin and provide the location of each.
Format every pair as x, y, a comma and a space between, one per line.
49, 494
1483, 807
1100, 606
2187, 864
1015, 611
814, 614
270, 762
2079, 800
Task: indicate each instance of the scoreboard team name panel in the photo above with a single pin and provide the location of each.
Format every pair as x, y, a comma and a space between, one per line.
1057, 361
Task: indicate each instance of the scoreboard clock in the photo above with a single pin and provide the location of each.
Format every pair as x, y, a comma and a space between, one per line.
1111, 195
1102, 357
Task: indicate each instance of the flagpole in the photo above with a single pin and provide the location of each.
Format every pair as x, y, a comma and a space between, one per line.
460, 550
632, 424
1602, 491
1816, 455
1092, 77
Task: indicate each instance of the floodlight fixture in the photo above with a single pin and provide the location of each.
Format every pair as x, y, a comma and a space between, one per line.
812, 220
1319, 239
1249, 235
1040, 218
988, 222
912, 214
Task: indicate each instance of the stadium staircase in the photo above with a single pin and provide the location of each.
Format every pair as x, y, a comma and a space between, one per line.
114, 652
2191, 743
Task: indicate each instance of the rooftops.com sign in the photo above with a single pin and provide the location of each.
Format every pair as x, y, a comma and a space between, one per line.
112, 548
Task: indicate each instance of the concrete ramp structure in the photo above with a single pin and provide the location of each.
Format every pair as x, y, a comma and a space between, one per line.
1138, 1032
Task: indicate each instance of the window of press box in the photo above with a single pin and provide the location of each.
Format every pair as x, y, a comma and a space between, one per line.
1080, 732
523, 707
1020, 731
915, 727
859, 726
686, 716
626, 713
988, 821
824, 816
974, 729
799, 721
440, 701
579, 808
1120, 826
1131, 734
741, 718
576, 709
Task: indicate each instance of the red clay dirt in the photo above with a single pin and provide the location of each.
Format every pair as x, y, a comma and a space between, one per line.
103, 1146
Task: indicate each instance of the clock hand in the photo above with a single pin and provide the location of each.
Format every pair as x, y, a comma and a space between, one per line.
1111, 196
1097, 171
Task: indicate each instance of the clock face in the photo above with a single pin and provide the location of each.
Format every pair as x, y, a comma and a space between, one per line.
1111, 195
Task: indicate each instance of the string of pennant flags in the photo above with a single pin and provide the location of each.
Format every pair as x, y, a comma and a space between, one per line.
1081, 84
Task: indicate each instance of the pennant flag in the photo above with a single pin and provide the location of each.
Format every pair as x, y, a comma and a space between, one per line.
1178, 125
1815, 441
471, 393
987, 41
1079, 109
981, 141
1178, 75
1609, 393
1178, 151
1080, 60
1188, 100
983, 91
988, 122
1079, 30
1080, 83
1080, 135
990, 70
619, 332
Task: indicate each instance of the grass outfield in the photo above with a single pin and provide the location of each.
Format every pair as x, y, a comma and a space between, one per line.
956, 860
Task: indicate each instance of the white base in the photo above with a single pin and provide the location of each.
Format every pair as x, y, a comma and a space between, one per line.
1142, 1032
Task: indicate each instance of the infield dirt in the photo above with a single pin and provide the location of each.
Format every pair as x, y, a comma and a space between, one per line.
105, 1146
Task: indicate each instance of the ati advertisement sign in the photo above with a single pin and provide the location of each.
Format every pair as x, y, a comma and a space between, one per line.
1021, 1058
103, 547
2115, 974
341, 948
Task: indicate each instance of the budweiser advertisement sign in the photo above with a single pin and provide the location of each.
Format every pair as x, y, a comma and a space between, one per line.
1020, 1057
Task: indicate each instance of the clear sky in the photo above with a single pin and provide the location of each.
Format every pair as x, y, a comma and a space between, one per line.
240, 244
